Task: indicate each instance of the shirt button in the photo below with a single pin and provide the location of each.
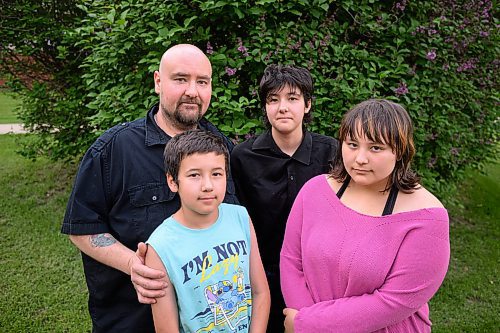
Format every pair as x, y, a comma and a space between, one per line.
154, 198
291, 177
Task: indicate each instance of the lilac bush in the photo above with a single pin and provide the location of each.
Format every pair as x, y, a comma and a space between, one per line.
438, 58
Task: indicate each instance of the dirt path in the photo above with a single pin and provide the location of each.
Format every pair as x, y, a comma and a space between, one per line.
12, 128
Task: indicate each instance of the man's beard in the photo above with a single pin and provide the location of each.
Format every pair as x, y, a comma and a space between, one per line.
183, 120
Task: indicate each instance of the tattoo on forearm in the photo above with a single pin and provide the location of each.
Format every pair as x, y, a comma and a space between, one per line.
102, 240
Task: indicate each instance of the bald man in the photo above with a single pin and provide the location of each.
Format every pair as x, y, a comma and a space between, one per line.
121, 195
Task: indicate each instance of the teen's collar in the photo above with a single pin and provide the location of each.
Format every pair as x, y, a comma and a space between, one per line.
265, 141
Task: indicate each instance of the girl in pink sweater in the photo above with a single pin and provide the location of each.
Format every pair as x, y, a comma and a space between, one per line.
366, 247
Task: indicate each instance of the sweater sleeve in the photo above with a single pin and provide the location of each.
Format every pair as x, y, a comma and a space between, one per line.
293, 283
415, 276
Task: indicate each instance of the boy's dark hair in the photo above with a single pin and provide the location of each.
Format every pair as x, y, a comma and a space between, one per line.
386, 122
276, 77
189, 143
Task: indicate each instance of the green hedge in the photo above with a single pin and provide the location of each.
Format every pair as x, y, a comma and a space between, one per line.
438, 58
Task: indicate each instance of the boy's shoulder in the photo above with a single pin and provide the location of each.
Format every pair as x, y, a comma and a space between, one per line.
232, 208
164, 226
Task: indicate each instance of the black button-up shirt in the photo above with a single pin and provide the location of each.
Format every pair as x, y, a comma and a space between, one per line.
121, 189
268, 180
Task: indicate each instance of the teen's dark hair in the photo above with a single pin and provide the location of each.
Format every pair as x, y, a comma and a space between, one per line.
276, 77
385, 122
189, 143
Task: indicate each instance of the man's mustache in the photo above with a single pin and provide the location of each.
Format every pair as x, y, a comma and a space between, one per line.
190, 101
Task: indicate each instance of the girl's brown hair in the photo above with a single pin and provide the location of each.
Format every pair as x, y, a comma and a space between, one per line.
386, 122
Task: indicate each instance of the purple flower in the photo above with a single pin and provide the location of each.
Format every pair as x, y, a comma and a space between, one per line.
432, 162
401, 5
431, 55
402, 89
230, 71
446, 67
420, 30
469, 64
210, 49
242, 48
454, 151
484, 33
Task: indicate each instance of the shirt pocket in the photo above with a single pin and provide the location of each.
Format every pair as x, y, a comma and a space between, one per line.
151, 204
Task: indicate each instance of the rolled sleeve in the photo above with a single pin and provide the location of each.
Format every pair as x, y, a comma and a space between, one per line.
86, 209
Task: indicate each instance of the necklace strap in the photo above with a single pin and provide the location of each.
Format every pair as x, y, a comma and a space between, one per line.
341, 190
391, 201
389, 204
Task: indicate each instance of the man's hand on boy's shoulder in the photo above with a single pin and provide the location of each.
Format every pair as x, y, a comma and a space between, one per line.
149, 283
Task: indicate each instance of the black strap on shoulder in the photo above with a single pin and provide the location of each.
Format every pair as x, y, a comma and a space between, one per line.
343, 187
391, 201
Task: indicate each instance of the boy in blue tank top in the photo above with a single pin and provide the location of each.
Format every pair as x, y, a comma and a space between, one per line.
208, 249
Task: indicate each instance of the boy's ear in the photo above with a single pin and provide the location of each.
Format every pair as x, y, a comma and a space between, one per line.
172, 185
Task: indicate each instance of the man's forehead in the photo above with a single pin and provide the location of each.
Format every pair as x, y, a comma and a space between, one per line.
190, 73
189, 64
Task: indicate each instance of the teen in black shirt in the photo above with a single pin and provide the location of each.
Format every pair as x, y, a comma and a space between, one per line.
270, 169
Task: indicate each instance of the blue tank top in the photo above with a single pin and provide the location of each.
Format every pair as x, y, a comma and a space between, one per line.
210, 271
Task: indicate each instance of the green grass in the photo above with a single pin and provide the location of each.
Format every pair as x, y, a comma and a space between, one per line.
42, 283
8, 104
468, 299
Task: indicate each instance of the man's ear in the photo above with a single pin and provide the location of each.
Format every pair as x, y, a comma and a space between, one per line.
172, 184
157, 82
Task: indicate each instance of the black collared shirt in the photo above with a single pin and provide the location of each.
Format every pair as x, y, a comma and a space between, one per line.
121, 189
268, 180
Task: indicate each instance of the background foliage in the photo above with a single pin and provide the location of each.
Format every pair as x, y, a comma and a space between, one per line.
438, 58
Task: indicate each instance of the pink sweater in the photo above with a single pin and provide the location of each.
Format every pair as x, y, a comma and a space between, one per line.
350, 272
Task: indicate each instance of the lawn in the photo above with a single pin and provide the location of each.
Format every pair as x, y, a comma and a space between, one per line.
42, 283
468, 300
43, 288
8, 104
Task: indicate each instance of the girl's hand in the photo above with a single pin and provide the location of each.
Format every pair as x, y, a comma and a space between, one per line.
289, 318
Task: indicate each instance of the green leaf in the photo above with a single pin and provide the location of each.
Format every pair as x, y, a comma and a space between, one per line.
188, 21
